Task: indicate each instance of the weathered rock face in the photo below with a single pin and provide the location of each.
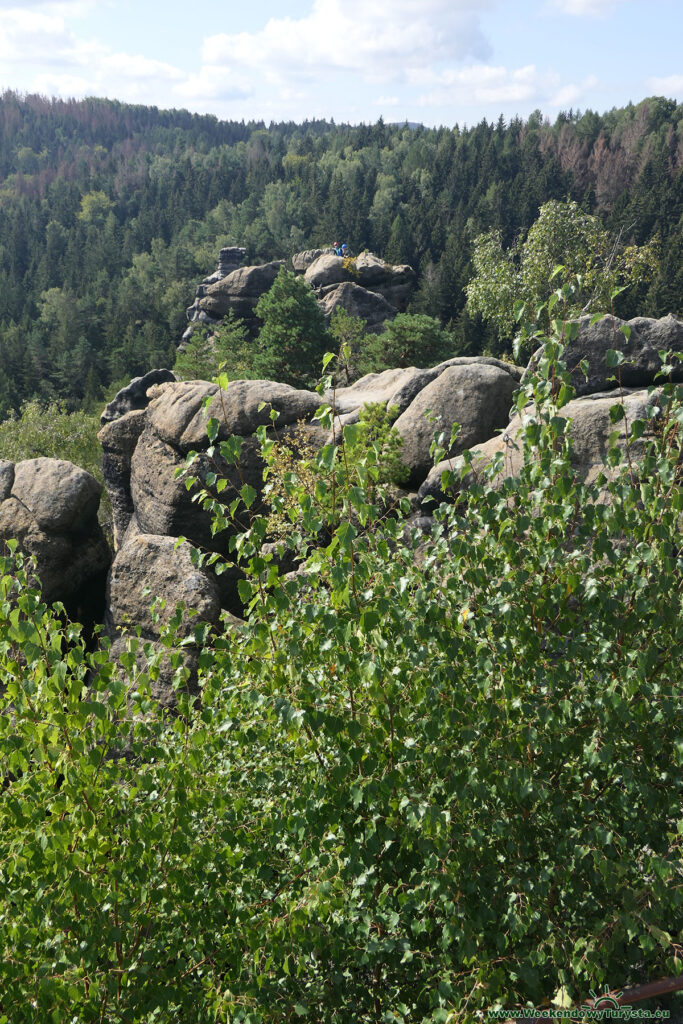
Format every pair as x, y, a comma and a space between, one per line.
50, 507
145, 448
373, 290
134, 395
119, 439
589, 430
229, 259
647, 339
149, 566
478, 397
368, 287
301, 261
369, 306
239, 291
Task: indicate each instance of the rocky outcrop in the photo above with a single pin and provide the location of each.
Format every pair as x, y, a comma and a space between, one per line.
239, 293
135, 395
477, 396
590, 428
365, 286
50, 507
150, 566
641, 343
229, 259
301, 261
357, 301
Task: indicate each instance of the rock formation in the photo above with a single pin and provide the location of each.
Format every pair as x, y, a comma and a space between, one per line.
590, 424
365, 286
153, 426
50, 507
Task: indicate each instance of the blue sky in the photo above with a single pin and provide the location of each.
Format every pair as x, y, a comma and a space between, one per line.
434, 61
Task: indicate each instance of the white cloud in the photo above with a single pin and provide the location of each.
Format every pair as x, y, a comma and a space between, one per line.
569, 95
212, 82
377, 41
590, 8
671, 85
483, 85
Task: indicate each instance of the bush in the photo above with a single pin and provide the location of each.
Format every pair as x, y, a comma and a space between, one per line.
410, 339
407, 794
50, 431
227, 349
294, 337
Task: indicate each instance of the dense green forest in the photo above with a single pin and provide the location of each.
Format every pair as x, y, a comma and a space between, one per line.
110, 214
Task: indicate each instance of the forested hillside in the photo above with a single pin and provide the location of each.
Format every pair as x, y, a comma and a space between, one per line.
109, 214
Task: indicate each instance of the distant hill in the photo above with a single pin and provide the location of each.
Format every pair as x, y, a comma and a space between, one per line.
110, 213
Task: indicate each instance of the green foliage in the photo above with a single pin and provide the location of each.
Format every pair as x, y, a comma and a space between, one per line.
294, 337
123, 209
50, 431
54, 433
348, 333
565, 238
410, 339
226, 350
406, 793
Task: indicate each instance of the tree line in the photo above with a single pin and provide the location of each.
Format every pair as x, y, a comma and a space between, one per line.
110, 214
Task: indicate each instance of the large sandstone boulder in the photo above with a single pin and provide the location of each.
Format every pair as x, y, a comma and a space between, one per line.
177, 415
477, 396
162, 502
368, 305
367, 271
119, 439
395, 283
301, 261
135, 395
647, 339
149, 567
50, 507
373, 387
175, 424
239, 291
589, 430
327, 269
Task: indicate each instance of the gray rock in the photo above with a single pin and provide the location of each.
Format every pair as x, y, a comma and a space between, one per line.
230, 258
149, 567
60, 497
394, 283
118, 439
6, 478
178, 418
589, 431
134, 395
373, 387
477, 396
648, 337
419, 380
240, 290
368, 305
301, 261
162, 503
327, 269
51, 511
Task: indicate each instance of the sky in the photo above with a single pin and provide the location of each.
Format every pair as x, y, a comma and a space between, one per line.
438, 62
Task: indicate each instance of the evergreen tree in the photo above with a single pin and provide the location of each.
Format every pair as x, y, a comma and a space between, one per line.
294, 336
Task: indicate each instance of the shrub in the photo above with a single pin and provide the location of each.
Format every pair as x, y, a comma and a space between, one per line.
410, 339
408, 793
227, 349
